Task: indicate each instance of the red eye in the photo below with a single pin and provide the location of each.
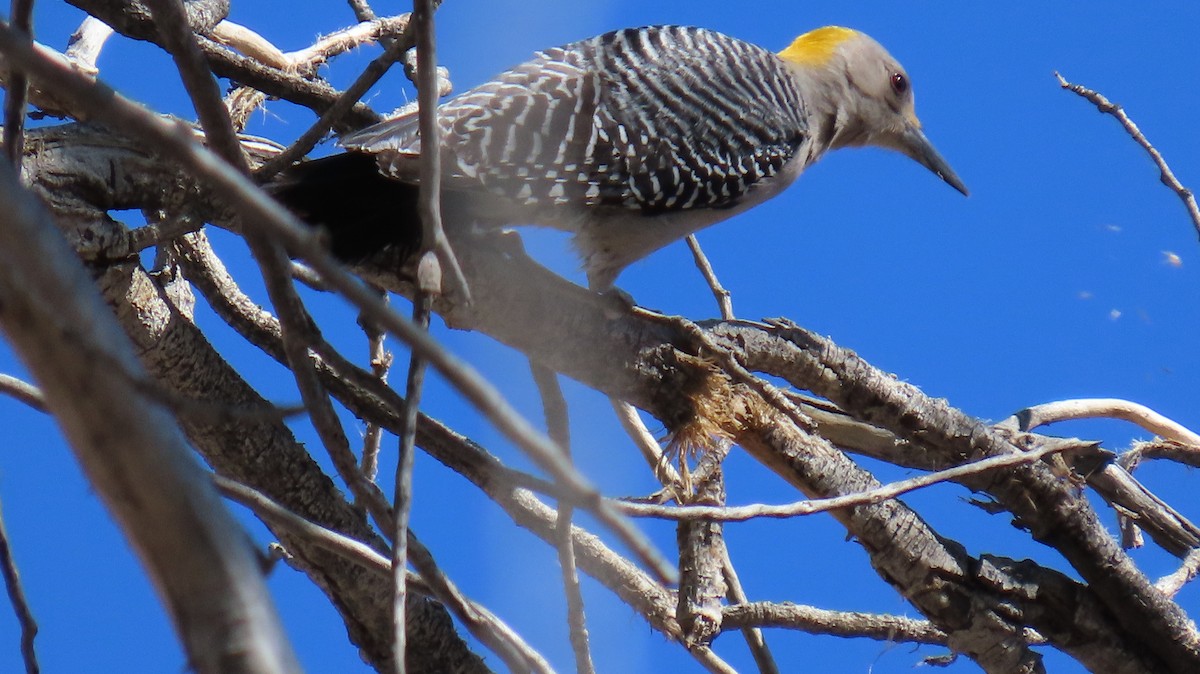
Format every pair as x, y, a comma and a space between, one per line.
899, 83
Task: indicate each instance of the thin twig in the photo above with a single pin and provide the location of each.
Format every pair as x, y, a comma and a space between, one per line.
298, 334
16, 93
723, 297
372, 441
198, 79
1167, 176
362, 10
491, 631
375, 70
16, 596
711, 661
296, 324
1171, 584
364, 394
753, 635
23, 391
882, 493
83, 48
1113, 408
631, 422
554, 408
430, 204
314, 94
158, 230
429, 286
1171, 450
327, 539
554, 405
728, 362
384, 31
1135, 506
355, 386
840, 623
249, 43
381, 363
482, 623
256, 209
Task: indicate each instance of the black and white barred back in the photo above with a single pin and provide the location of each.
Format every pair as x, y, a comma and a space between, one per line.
655, 119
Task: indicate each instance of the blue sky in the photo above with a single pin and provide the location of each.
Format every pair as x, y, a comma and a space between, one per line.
1050, 281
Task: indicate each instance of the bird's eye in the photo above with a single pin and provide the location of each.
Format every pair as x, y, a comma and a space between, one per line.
899, 83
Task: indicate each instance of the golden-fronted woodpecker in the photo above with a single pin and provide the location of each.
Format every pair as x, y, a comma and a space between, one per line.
629, 140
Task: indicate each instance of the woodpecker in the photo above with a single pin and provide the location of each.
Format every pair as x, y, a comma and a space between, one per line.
629, 140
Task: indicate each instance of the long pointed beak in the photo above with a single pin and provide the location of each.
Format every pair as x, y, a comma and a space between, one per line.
914, 144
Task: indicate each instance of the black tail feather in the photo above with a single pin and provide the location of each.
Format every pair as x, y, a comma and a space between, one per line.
364, 213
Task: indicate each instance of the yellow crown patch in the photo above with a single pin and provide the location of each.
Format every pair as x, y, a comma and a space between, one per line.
816, 47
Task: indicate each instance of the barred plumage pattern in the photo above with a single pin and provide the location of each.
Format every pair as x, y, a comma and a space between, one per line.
656, 119
629, 141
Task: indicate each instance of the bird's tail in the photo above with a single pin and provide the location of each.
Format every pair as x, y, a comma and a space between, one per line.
398, 134
365, 214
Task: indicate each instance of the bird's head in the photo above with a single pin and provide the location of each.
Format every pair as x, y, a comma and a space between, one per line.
867, 94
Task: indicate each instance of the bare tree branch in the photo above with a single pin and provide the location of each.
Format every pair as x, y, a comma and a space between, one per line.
402, 494
258, 209
837, 623
1186, 453
515, 294
208, 576
706, 385
362, 10
382, 30
701, 544
381, 363
133, 17
1115, 408
876, 495
23, 391
155, 310
1166, 174
1073, 529
249, 43
314, 94
429, 205
17, 88
723, 297
1171, 585
1169, 528
340, 107
20, 605
429, 285
172, 21
513, 649
554, 408
85, 44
